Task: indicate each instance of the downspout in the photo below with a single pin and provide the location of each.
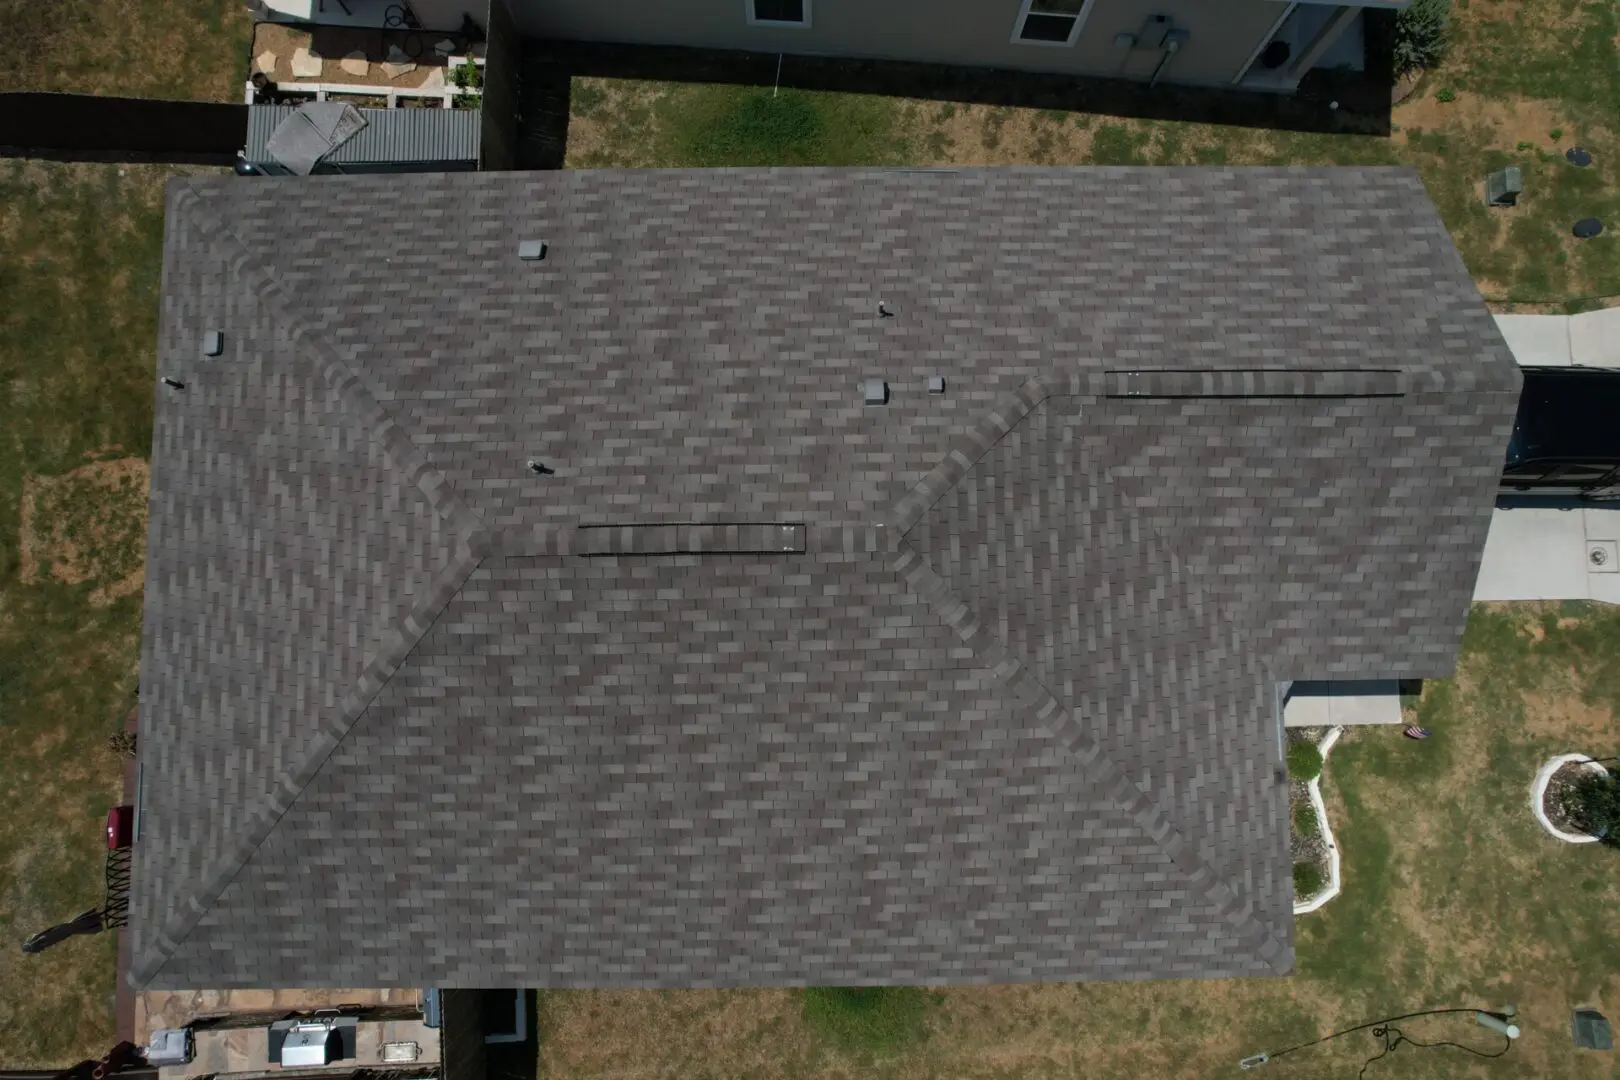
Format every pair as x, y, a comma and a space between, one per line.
1172, 45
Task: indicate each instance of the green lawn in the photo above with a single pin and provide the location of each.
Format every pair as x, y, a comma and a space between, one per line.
1453, 897
1529, 81
80, 259
78, 304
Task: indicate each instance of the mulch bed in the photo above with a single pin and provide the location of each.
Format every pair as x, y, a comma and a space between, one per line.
1302, 848
1552, 803
1305, 848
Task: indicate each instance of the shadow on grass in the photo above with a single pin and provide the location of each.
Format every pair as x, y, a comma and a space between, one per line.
1356, 103
1362, 98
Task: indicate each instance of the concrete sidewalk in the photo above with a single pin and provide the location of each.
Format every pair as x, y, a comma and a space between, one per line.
1336, 704
1545, 549
1590, 340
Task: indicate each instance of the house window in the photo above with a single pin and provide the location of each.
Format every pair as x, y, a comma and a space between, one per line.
1050, 22
795, 13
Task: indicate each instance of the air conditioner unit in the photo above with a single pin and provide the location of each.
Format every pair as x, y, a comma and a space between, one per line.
309, 1044
170, 1046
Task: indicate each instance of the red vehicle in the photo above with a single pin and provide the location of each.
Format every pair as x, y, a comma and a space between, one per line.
120, 827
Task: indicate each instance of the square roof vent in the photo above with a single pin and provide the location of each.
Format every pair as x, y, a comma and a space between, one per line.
877, 392
213, 343
532, 250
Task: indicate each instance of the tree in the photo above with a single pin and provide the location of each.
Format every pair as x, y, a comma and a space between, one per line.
1420, 34
1593, 804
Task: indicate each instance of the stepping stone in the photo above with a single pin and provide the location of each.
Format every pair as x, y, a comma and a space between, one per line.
355, 63
399, 62
445, 47
306, 64
1578, 157
1588, 227
265, 62
434, 80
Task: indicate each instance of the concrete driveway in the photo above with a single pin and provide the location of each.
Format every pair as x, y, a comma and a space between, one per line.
1537, 550
1547, 549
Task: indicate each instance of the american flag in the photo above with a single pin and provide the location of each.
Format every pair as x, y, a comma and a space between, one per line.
1415, 732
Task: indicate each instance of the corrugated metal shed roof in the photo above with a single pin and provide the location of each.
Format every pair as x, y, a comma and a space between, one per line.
390, 135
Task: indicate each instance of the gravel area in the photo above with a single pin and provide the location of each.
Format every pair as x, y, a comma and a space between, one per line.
1302, 848
1552, 803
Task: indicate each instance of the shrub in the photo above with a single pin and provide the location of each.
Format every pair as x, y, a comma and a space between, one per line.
1420, 35
1445, 94
1593, 803
872, 1018
1304, 761
1306, 821
1556, 133
467, 75
1308, 880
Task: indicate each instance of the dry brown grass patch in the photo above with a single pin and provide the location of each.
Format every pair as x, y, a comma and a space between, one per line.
639, 1033
86, 525
998, 135
1504, 122
618, 128
1565, 715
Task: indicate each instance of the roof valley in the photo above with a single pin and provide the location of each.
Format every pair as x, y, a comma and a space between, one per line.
1035, 699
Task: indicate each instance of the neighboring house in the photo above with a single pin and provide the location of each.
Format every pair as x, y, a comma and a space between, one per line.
327, 1034
665, 612
1259, 44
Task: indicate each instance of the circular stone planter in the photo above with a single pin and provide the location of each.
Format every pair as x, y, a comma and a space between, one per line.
1538, 792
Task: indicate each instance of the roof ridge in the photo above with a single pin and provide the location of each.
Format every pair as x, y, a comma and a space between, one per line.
1018, 676
473, 544
358, 400
1035, 699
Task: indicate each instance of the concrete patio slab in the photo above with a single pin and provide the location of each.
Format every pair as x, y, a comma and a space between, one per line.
1339, 704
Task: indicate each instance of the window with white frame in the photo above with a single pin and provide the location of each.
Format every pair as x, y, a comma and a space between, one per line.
794, 13
1050, 22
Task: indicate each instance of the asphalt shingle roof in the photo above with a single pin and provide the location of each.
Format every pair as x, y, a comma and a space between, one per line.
762, 685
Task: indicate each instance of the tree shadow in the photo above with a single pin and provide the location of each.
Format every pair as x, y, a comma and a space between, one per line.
1327, 102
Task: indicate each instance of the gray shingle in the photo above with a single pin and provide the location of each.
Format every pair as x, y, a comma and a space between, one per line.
999, 705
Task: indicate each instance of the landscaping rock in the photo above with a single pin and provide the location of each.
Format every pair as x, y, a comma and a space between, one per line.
399, 62
355, 63
306, 64
265, 62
